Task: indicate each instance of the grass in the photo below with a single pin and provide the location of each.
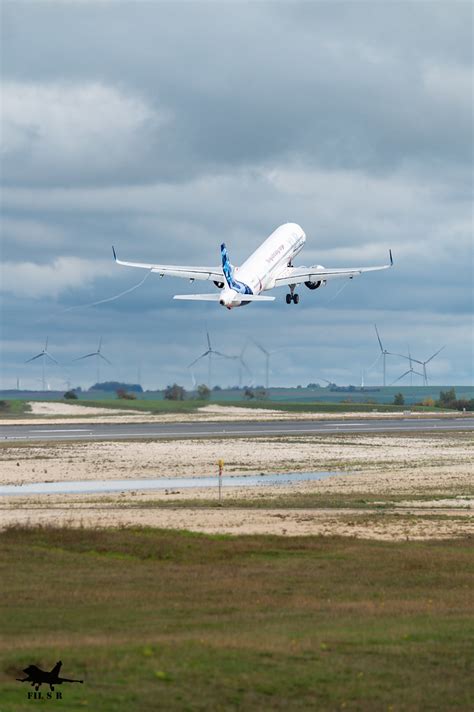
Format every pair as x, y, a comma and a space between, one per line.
177, 621
19, 407
13, 408
304, 501
162, 406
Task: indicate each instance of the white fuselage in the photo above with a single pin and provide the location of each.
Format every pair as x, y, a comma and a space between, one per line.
264, 265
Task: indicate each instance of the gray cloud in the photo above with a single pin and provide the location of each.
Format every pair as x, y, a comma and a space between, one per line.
243, 90
164, 128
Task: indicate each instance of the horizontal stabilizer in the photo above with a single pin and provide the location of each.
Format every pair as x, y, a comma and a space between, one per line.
216, 297
198, 297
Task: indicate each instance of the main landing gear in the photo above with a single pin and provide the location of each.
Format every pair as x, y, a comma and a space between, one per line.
292, 297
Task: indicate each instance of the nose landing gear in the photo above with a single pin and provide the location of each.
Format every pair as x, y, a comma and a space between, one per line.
292, 297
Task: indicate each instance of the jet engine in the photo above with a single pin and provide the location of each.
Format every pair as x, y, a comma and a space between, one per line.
315, 285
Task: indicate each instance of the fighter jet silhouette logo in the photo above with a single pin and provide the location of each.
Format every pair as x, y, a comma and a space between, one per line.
37, 676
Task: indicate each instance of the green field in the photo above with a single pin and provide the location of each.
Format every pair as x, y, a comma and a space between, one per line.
186, 406
291, 397
160, 620
13, 408
17, 408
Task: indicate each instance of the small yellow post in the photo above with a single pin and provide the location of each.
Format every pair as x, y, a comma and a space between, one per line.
221, 469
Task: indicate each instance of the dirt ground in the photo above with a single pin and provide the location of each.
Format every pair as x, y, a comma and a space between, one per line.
428, 475
382, 463
395, 526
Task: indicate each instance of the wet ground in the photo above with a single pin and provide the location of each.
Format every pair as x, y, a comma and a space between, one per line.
165, 483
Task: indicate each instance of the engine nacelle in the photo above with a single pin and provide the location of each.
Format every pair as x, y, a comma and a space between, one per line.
219, 285
315, 285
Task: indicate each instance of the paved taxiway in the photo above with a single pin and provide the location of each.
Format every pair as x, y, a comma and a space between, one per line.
132, 431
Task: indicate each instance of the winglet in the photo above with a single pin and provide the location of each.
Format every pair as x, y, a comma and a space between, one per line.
114, 253
391, 258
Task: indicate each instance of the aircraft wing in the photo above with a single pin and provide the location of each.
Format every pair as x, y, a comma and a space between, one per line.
296, 275
209, 273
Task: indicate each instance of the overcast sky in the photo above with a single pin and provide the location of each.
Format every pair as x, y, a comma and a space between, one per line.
166, 128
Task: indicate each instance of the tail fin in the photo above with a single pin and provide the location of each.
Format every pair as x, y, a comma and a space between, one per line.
228, 271
56, 668
226, 266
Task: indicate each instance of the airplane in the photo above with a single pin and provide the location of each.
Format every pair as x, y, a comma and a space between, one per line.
37, 676
271, 265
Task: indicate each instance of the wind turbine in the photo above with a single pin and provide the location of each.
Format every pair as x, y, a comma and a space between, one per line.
267, 355
210, 351
98, 355
383, 354
242, 364
43, 355
423, 363
410, 371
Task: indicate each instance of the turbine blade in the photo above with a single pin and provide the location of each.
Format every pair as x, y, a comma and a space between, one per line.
400, 377
219, 353
198, 359
435, 354
208, 341
408, 358
35, 357
378, 337
104, 358
262, 349
50, 357
374, 363
86, 356
244, 364
244, 348
100, 345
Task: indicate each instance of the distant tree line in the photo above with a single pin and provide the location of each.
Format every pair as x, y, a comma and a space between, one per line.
258, 393
448, 399
114, 386
203, 392
178, 393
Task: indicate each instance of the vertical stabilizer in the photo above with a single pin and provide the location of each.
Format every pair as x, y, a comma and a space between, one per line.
56, 668
228, 271
226, 266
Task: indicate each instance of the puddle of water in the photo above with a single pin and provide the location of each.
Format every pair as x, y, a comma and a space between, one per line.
101, 486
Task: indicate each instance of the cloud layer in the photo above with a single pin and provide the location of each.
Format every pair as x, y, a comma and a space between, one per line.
164, 128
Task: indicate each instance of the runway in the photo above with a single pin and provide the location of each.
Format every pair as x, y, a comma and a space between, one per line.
154, 431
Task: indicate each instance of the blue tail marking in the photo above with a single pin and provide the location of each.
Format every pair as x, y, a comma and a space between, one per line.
228, 271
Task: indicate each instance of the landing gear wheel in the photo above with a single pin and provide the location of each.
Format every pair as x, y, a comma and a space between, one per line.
296, 298
288, 298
